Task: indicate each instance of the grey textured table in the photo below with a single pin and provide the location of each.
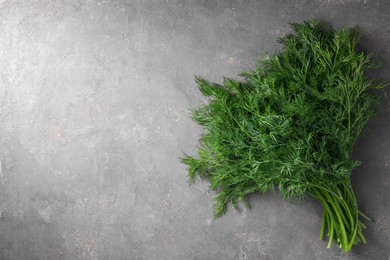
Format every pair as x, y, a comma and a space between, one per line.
94, 99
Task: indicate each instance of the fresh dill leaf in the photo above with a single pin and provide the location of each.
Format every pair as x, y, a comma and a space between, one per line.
291, 123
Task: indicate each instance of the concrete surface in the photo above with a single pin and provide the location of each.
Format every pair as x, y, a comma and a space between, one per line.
94, 99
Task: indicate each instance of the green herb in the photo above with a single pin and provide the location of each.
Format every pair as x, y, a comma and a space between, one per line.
291, 123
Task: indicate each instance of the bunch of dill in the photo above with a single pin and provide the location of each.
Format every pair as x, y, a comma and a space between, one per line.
292, 122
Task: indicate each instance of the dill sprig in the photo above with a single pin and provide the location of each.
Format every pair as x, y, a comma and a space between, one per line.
291, 123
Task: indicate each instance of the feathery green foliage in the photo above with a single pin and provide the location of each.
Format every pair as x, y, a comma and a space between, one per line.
292, 122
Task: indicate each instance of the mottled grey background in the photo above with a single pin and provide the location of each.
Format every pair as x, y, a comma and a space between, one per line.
94, 99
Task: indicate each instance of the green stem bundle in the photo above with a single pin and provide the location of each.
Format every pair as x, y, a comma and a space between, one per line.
340, 216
